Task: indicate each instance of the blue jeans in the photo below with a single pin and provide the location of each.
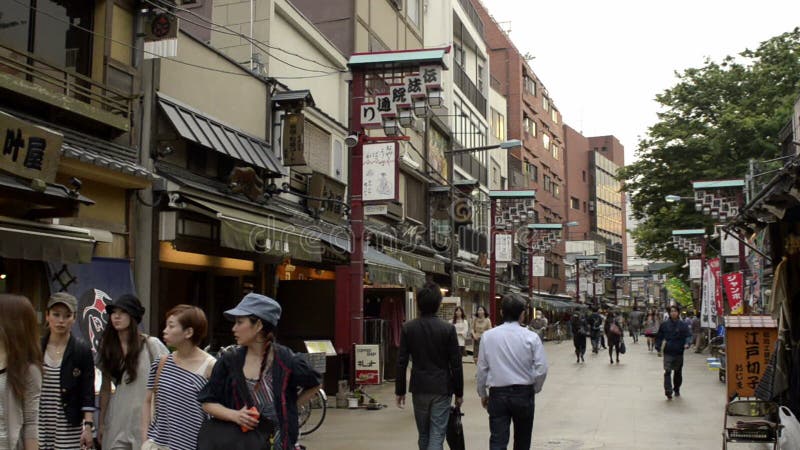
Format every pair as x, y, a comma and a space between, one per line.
431, 411
507, 404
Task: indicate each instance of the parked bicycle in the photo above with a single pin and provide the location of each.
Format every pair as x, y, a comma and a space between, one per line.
311, 413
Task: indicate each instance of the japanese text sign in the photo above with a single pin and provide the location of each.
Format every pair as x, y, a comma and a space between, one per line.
293, 145
385, 106
748, 353
414, 86
538, 266
431, 75
368, 367
29, 151
694, 269
331, 194
734, 288
400, 97
713, 265
380, 172
370, 118
503, 247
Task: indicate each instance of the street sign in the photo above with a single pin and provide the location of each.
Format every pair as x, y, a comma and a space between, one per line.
503, 247
368, 367
694, 269
538, 266
380, 172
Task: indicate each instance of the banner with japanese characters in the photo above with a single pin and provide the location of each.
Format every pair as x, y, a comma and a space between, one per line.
708, 315
694, 269
380, 172
713, 265
735, 291
503, 247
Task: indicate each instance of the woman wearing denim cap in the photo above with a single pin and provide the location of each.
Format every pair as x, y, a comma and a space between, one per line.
258, 373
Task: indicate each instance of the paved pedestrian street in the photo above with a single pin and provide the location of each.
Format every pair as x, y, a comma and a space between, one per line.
582, 406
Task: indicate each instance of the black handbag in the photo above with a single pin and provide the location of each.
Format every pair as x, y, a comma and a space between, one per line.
622, 348
223, 435
455, 430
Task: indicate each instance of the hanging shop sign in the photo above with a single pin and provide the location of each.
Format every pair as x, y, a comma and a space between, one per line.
329, 197
734, 288
368, 367
503, 247
293, 142
695, 269
380, 169
713, 265
29, 151
730, 245
370, 117
708, 314
750, 341
538, 266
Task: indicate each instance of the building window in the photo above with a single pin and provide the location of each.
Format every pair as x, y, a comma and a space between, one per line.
412, 11
556, 191
529, 84
546, 141
555, 151
530, 126
545, 104
575, 203
532, 171
481, 77
415, 199
554, 115
583, 174
458, 55
498, 125
546, 182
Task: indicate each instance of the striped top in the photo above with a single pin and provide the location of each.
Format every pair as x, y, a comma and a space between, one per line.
178, 413
262, 393
3, 415
55, 433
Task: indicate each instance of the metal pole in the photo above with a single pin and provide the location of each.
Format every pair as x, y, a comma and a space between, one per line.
355, 306
453, 233
577, 280
530, 264
492, 264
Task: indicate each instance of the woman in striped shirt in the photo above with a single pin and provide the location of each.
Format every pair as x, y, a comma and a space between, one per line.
174, 382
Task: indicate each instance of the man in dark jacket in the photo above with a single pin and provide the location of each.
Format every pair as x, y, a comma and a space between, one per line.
675, 335
436, 374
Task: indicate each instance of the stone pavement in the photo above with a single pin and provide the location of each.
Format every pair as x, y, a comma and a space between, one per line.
582, 406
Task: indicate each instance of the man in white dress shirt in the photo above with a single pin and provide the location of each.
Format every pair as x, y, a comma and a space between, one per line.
511, 369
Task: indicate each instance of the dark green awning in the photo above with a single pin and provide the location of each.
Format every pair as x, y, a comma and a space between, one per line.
22, 239
423, 263
383, 269
472, 282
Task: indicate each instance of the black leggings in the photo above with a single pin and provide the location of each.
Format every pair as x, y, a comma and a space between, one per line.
579, 340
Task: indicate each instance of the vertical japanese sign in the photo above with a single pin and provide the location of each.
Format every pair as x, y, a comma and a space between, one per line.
713, 265
368, 367
293, 145
749, 352
708, 314
735, 290
730, 245
28, 151
380, 172
694, 269
538, 266
503, 247
369, 116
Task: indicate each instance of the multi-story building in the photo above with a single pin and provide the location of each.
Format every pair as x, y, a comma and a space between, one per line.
594, 199
533, 118
70, 173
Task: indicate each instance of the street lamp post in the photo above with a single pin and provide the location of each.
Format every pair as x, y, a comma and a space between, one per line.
542, 237
454, 243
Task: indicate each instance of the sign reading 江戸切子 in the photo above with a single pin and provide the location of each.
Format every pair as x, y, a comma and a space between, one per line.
368, 367
29, 151
380, 172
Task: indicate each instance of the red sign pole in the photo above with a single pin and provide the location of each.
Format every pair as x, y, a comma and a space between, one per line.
354, 302
492, 265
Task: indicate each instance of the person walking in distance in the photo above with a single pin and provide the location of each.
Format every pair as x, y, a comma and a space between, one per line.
512, 368
462, 327
677, 337
437, 372
697, 332
596, 329
479, 326
613, 331
635, 324
580, 329
650, 329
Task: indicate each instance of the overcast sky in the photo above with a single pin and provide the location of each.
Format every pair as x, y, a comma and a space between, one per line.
604, 61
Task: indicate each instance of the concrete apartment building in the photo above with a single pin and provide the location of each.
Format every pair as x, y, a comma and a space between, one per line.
532, 118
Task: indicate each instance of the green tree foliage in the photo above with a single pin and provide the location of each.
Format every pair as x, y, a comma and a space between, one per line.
712, 122
678, 290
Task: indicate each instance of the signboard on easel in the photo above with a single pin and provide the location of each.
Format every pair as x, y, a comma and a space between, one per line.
368, 367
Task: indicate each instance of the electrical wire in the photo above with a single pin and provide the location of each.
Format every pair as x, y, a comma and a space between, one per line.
135, 48
260, 45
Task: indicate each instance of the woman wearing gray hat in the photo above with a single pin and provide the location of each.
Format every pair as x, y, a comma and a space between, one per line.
125, 358
259, 373
66, 406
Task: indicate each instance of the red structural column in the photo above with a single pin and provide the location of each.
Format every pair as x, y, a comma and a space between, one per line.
354, 303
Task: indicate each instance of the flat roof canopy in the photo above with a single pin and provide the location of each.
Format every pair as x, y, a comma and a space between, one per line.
399, 59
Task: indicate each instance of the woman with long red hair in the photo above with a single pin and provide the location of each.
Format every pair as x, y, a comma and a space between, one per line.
20, 374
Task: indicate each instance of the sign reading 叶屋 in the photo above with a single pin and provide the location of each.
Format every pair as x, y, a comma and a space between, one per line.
380, 172
28, 151
538, 266
503, 247
367, 362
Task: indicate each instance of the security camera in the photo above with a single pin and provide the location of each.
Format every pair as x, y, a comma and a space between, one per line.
351, 140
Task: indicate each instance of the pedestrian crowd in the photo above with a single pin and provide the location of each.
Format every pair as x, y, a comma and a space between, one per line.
150, 399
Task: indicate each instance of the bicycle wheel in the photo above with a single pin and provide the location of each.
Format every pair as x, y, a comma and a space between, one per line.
311, 415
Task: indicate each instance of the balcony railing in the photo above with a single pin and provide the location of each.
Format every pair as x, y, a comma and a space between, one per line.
469, 89
473, 15
24, 73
